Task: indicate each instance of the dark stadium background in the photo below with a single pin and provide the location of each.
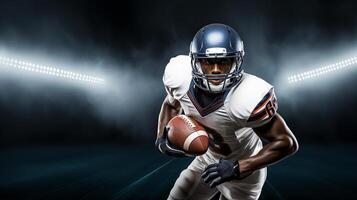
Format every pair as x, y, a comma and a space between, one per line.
60, 141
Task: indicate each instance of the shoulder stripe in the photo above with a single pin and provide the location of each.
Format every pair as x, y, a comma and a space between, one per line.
266, 107
260, 115
264, 101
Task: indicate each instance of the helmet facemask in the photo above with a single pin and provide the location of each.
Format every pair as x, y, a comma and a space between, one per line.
228, 78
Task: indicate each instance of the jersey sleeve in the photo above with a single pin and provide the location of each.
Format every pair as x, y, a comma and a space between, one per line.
254, 103
264, 111
177, 77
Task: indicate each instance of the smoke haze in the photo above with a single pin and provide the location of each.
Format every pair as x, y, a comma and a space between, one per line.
129, 46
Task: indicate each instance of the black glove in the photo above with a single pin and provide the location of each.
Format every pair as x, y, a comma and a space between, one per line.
163, 145
221, 172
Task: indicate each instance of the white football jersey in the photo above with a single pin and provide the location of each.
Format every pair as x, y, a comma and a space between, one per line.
228, 120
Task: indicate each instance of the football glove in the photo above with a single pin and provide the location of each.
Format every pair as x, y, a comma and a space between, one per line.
163, 145
221, 172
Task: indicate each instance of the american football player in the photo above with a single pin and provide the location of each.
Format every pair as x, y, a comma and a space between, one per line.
237, 109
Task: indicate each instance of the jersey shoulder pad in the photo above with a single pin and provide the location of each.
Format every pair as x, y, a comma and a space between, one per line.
177, 76
253, 101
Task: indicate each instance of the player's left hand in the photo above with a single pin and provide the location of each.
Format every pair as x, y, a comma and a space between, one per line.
221, 172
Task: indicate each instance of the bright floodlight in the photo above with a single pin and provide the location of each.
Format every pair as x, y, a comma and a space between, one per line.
323, 70
51, 71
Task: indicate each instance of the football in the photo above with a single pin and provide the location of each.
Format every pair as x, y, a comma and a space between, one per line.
187, 134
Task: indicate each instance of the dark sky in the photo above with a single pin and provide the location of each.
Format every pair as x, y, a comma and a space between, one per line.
131, 42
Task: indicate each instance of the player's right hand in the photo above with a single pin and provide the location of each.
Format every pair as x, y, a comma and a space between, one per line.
163, 145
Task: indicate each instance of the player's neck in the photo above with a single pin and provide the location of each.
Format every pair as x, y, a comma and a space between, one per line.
209, 94
205, 98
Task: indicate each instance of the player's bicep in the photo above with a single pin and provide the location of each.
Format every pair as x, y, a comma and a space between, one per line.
264, 111
276, 130
270, 130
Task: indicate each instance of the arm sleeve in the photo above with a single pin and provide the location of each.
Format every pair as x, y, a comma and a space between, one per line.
264, 110
170, 95
253, 103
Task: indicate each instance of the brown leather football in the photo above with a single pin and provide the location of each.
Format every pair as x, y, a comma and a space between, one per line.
187, 134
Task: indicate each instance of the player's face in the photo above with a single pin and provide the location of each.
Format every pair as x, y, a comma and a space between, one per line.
213, 66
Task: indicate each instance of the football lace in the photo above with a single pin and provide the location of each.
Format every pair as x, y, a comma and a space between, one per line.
188, 121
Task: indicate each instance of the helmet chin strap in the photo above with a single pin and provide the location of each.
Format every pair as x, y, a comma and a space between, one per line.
215, 88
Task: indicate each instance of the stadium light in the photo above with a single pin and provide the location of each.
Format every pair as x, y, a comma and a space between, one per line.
48, 70
322, 70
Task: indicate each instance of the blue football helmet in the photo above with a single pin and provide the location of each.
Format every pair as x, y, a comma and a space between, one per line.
216, 42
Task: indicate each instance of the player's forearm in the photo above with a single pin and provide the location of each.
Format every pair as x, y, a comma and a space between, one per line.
167, 112
282, 143
271, 153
